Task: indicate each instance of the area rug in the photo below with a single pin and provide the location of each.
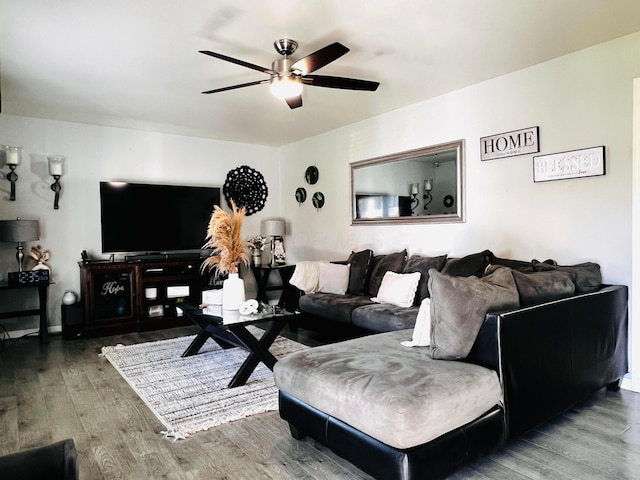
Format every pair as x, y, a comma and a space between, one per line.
190, 394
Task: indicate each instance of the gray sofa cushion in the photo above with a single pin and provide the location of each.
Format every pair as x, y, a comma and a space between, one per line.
384, 317
329, 305
586, 276
392, 262
393, 393
540, 287
459, 305
418, 263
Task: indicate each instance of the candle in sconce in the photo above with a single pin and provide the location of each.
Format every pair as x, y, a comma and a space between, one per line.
427, 185
12, 155
414, 189
55, 165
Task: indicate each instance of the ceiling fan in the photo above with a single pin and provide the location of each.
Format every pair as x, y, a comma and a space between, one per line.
287, 77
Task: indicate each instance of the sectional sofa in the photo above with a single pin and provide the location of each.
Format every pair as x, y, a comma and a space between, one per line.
507, 350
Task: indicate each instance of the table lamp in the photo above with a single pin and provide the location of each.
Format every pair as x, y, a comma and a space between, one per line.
19, 231
275, 228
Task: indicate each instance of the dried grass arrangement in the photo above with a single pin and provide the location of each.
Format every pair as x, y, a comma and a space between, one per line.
224, 237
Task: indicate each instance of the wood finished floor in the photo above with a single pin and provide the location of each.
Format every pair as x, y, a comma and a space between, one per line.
64, 389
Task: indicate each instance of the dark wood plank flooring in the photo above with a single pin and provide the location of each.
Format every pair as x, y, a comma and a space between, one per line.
64, 389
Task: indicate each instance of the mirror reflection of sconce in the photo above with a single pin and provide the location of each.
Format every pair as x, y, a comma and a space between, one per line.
12, 159
55, 170
414, 189
427, 197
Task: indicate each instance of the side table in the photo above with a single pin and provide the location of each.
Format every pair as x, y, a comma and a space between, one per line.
262, 273
41, 311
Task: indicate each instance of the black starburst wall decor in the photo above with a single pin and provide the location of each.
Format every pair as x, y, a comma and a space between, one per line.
246, 186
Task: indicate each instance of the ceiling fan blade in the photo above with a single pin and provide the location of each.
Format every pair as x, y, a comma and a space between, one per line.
294, 102
319, 59
233, 87
340, 82
239, 62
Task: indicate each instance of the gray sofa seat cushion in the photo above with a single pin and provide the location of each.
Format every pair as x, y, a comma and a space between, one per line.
332, 306
396, 394
384, 317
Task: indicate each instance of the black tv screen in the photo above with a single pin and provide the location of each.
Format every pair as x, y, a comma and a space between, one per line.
148, 218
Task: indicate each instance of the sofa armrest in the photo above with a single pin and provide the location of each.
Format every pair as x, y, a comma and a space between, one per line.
554, 355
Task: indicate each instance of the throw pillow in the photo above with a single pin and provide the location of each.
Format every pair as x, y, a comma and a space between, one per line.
398, 289
586, 276
392, 262
306, 276
333, 278
473, 264
417, 263
422, 330
540, 287
360, 265
459, 306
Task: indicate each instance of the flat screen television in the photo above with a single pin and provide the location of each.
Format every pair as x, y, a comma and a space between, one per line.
149, 218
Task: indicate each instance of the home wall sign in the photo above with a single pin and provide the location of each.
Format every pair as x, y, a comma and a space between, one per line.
588, 162
510, 144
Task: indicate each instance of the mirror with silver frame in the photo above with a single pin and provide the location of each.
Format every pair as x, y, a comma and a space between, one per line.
424, 185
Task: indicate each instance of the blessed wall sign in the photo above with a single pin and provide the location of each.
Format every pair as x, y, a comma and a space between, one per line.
587, 162
510, 144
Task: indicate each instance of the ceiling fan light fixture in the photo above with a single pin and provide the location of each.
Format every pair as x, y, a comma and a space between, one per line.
287, 86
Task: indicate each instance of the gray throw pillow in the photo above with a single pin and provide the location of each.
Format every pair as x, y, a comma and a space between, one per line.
459, 306
540, 287
392, 262
586, 276
417, 263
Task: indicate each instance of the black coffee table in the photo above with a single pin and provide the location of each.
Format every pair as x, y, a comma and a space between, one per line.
229, 329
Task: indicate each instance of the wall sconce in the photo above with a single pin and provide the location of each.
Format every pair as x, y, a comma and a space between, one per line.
275, 228
414, 189
427, 197
55, 170
12, 159
19, 231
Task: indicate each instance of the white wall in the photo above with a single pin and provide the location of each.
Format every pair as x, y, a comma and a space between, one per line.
94, 154
578, 101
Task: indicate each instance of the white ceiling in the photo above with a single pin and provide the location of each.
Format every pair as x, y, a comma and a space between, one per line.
135, 63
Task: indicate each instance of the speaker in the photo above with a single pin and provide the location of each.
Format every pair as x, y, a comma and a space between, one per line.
72, 321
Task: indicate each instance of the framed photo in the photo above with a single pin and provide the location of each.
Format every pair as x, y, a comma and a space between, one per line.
588, 162
510, 144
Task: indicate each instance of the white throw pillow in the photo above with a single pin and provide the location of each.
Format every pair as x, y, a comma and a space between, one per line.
306, 275
333, 278
398, 288
422, 329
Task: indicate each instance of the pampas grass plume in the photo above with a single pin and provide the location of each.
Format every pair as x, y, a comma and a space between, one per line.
224, 237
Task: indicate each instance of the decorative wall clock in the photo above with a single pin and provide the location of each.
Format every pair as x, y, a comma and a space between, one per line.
301, 195
318, 200
247, 188
311, 175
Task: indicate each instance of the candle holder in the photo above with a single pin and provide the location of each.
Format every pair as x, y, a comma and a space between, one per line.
55, 170
12, 159
427, 197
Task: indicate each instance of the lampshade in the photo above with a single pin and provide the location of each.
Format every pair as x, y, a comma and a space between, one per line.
273, 227
19, 230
